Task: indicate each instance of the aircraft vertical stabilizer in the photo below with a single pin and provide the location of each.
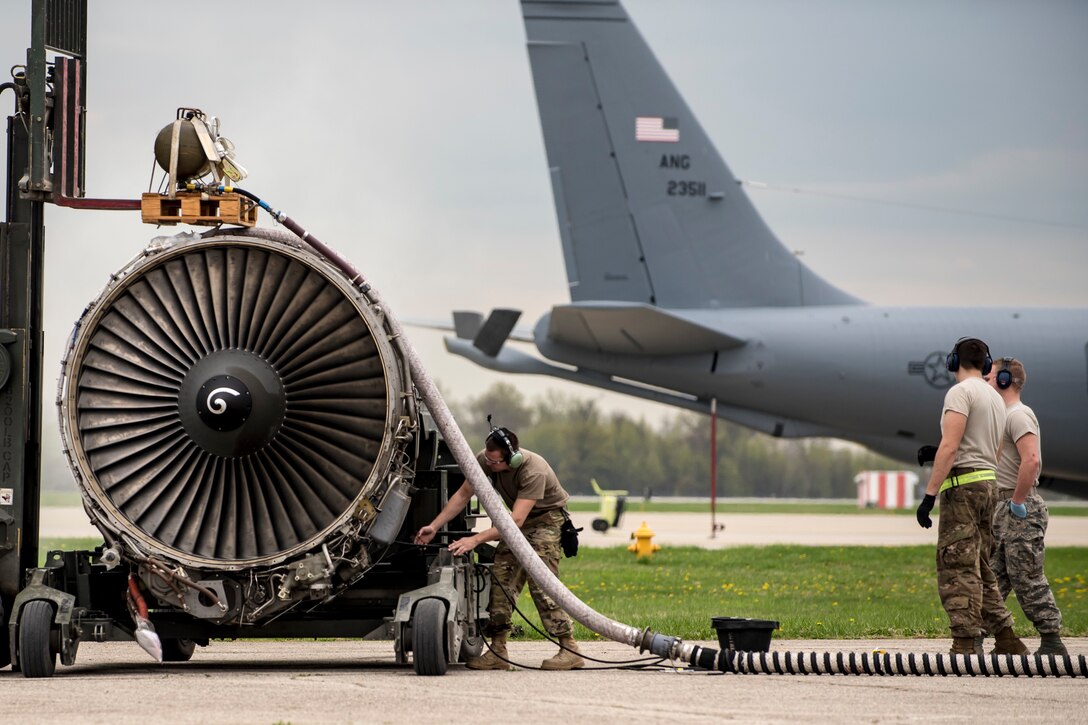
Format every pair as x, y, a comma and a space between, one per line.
648, 210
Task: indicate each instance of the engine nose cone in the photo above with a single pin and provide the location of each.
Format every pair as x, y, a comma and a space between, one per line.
232, 403
224, 403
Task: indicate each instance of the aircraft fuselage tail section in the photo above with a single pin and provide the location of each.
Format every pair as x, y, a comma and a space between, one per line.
648, 210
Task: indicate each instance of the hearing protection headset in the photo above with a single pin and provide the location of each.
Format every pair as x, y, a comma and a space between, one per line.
1004, 375
511, 455
952, 362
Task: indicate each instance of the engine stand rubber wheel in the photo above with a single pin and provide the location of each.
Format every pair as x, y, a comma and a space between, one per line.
429, 638
5, 639
177, 650
37, 658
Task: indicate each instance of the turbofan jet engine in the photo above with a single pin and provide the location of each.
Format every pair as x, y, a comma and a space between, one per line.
237, 416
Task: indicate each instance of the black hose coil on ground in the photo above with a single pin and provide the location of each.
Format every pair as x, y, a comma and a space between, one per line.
887, 663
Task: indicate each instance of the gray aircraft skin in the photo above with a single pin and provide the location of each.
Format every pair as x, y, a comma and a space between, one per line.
680, 292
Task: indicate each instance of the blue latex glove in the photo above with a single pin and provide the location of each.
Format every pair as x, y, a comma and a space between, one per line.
1018, 510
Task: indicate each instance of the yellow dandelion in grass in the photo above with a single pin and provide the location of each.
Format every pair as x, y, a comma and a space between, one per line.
766, 586
834, 604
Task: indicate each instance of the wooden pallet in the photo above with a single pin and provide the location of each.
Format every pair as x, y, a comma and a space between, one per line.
199, 209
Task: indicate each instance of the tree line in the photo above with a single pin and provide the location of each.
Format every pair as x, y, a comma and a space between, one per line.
673, 459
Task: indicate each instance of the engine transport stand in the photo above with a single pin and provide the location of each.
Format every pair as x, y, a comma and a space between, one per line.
432, 605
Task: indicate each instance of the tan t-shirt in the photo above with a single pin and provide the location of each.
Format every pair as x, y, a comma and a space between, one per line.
985, 411
533, 479
1019, 421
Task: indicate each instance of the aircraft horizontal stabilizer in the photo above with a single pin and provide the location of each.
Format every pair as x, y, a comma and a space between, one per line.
621, 328
494, 332
467, 323
509, 360
489, 335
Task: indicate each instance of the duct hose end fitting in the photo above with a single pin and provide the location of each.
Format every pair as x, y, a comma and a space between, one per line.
659, 644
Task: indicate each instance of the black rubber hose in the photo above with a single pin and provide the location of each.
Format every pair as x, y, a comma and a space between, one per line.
887, 663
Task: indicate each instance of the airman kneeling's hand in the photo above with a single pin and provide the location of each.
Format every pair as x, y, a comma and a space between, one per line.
424, 535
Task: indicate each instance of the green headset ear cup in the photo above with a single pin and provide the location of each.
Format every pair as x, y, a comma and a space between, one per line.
516, 459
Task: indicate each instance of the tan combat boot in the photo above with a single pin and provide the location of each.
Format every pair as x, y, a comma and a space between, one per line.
1050, 643
1008, 643
566, 659
966, 646
490, 660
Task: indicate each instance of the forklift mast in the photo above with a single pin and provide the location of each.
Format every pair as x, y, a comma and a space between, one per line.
45, 138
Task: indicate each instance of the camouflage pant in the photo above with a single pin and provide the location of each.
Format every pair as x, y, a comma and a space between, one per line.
508, 575
965, 582
1017, 561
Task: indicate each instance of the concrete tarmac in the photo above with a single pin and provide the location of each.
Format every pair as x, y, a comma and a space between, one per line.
358, 682
680, 529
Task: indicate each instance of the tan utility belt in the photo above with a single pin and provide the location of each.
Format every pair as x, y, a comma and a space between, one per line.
963, 479
1005, 493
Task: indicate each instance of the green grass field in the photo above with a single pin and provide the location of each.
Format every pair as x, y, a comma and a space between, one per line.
73, 544
814, 592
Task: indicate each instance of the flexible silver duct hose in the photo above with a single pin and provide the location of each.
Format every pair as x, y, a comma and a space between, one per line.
511, 534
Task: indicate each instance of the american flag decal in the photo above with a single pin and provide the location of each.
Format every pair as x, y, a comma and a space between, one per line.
656, 128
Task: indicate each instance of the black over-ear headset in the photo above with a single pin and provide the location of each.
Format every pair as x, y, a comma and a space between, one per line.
952, 362
511, 455
1004, 375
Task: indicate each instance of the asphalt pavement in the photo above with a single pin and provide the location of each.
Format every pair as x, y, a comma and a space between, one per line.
358, 682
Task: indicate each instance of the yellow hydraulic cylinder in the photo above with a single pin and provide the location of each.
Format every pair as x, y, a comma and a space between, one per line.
643, 544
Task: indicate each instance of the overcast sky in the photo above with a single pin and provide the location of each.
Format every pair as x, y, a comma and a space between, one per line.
405, 134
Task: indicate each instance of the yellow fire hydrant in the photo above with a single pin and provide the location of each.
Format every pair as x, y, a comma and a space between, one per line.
643, 545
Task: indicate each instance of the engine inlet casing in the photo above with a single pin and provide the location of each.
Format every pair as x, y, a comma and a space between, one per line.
230, 400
